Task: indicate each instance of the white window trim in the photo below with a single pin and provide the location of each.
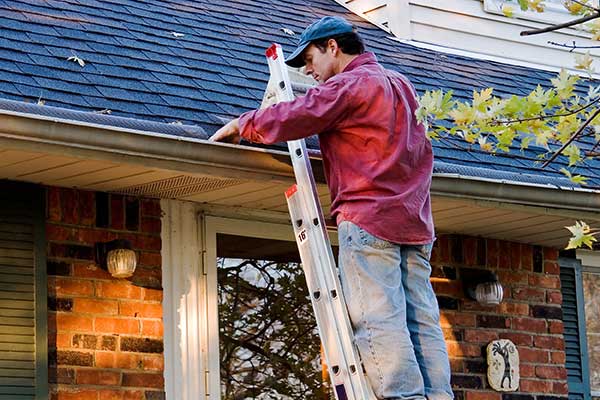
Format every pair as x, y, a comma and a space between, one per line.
190, 304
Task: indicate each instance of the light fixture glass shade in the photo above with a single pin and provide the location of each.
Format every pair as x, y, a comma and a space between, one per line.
489, 293
121, 263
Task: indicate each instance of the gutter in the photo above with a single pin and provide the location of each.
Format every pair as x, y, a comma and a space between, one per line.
197, 156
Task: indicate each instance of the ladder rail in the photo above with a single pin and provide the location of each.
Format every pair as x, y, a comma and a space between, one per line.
335, 329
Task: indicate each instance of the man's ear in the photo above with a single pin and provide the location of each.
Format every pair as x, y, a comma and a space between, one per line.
333, 46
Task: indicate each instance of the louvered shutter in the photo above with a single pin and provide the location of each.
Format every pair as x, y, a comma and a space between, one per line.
575, 332
23, 370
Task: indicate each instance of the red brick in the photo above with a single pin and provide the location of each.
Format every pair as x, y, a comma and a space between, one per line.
114, 394
492, 253
149, 243
555, 327
151, 207
460, 349
551, 267
519, 339
515, 256
558, 357
550, 372
448, 319
117, 325
527, 370
514, 308
549, 342
152, 328
544, 281
560, 388
529, 325
526, 257
529, 294
535, 386
118, 360
470, 250
118, 290
69, 206
480, 335
150, 259
449, 288
456, 364
473, 395
68, 322
91, 235
97, 377
60, 340
152, 294
533, 355
150, 225
60, 287
140, 309
117, 212
143, 380
58, 233
153, 363
87, 207
77, 394
550, 254
511, 278
504, 255
92, 306
554, 297
54, 209
435, 253
86, 270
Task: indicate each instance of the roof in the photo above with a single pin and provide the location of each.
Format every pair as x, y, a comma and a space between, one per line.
202, 62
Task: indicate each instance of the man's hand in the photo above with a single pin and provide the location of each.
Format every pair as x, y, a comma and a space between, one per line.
230, 133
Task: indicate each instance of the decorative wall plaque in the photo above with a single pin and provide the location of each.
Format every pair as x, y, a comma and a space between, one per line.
503, 365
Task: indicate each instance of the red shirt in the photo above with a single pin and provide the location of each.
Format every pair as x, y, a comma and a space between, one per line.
377, 158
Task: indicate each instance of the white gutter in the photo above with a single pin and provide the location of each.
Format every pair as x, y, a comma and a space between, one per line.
197, 156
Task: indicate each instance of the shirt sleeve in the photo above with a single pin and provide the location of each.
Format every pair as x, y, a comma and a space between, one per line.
318, 111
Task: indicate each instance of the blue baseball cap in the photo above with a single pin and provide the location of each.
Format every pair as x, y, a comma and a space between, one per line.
321, 29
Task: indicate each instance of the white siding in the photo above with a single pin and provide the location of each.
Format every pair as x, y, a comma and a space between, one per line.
465, 25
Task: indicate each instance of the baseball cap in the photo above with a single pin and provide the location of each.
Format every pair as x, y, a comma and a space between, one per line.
321, 29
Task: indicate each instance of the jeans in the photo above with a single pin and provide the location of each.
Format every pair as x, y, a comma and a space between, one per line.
395, 315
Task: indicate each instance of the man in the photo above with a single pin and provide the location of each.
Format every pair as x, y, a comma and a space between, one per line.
378, 163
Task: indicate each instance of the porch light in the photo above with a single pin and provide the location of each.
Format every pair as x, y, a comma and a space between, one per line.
117, 257
482, 286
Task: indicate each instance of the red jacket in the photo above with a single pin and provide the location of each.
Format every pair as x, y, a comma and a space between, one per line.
378, 160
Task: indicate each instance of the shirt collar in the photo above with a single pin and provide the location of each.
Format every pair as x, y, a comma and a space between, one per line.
362, 59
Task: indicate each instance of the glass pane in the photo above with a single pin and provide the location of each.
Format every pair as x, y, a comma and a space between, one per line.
269, 347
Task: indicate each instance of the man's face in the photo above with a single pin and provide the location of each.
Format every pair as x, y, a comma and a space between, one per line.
320, 64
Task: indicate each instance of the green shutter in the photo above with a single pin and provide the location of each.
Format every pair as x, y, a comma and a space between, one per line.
575, 333
23, 316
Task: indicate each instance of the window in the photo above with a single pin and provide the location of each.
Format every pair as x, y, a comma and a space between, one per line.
574, 329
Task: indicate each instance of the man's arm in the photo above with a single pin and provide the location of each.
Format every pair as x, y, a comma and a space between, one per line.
318, 111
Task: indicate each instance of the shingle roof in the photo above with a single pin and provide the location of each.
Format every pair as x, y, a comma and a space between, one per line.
138, 65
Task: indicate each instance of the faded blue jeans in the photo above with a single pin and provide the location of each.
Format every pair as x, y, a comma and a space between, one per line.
395, 315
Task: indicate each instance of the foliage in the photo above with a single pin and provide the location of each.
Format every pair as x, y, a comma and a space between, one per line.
269, 345
556, 118
582, 235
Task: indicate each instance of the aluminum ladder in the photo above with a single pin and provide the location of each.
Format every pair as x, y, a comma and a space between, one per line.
341, 355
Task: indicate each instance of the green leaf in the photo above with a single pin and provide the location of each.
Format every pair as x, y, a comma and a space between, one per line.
564, 83
524, 5
574, 154
579, 179
582, 235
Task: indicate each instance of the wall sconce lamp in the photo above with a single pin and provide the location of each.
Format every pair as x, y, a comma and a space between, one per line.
482, 285
117, 257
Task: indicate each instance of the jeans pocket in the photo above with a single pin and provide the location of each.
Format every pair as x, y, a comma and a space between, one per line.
367, 239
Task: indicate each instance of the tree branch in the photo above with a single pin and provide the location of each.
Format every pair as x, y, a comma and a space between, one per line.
573, 46
568, 142
561, 26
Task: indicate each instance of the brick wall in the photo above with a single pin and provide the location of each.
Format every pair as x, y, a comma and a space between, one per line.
530, 316
105, 335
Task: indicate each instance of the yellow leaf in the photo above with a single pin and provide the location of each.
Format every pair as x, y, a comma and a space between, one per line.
537, 5
584, 61
508, 11
582, 235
